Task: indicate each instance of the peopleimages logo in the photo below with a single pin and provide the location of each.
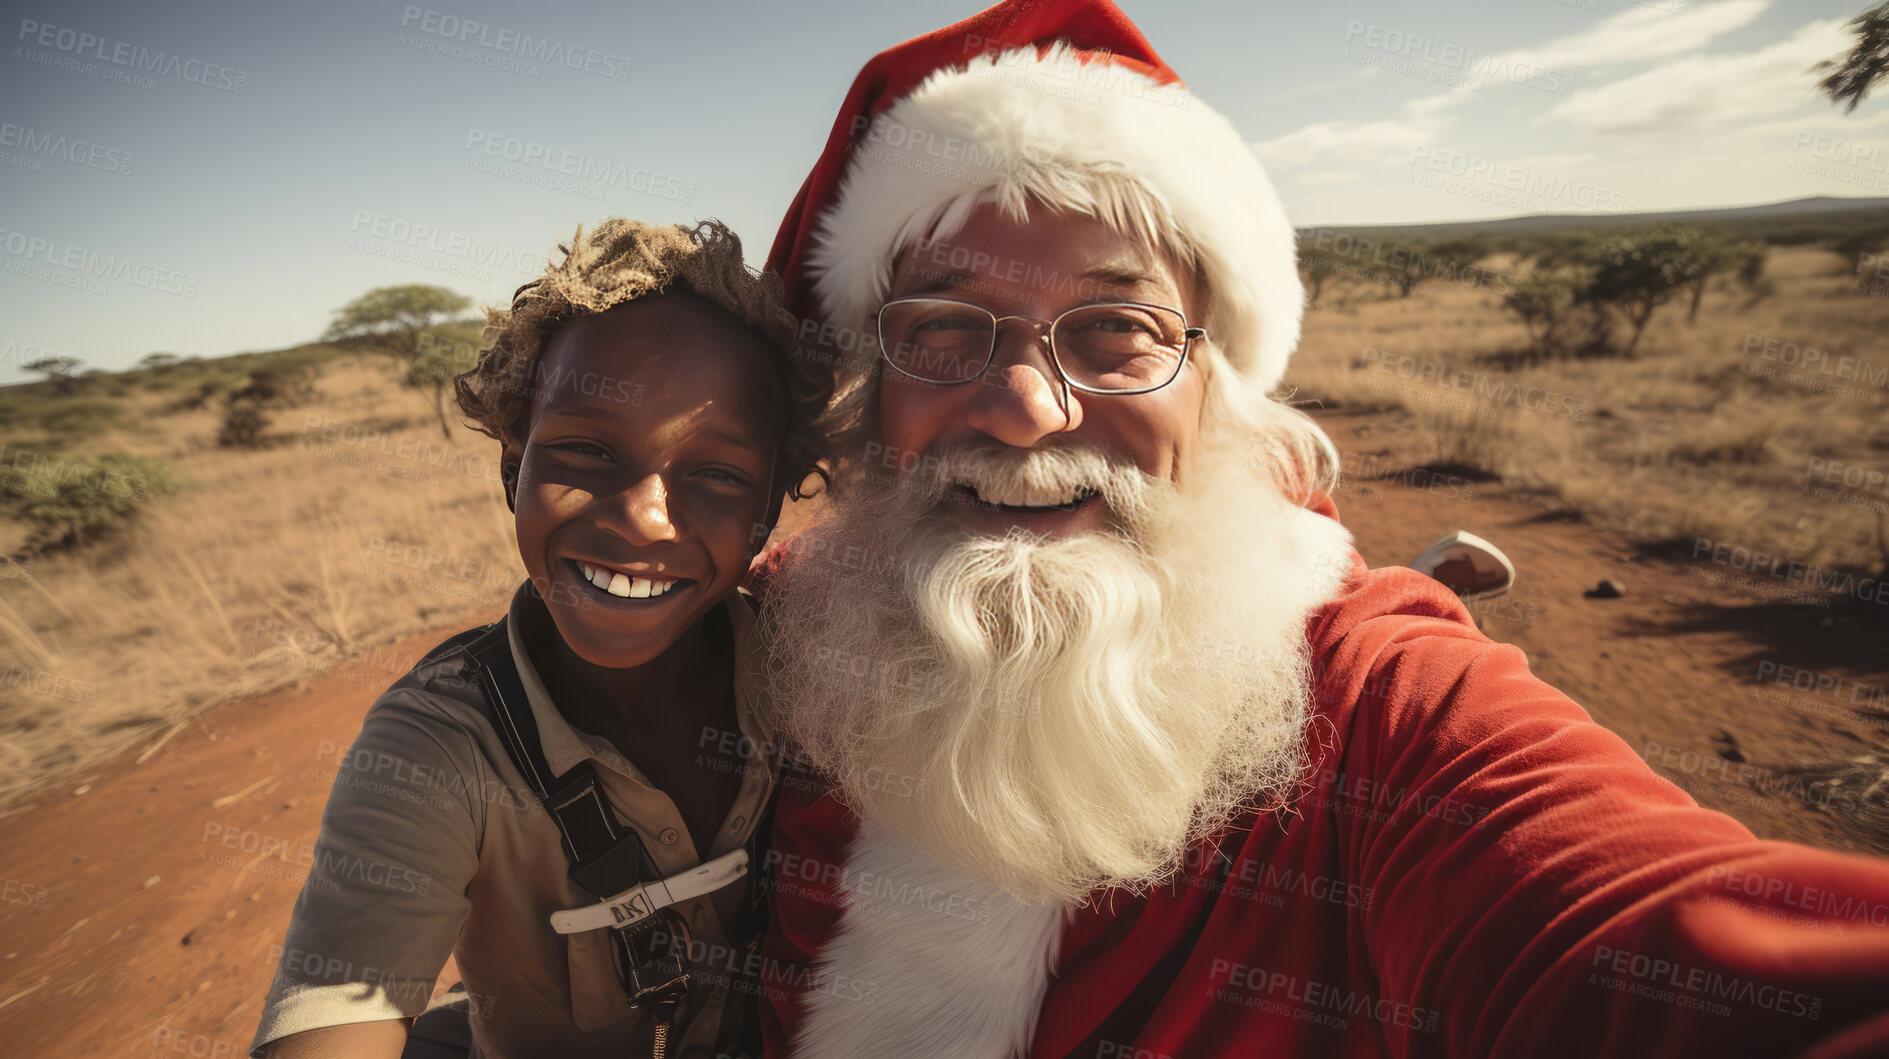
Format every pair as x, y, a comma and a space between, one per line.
1474, 67
1484, 178
1841, 151
1481, 387
78, 44
1694, 986
382, 234
581, 167
82, 263
37, 473
79, 152
1822, 579
473, 33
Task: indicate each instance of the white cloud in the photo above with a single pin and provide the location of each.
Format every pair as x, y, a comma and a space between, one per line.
1430, 108
1703, 90
1329, 176
1831, 121
1553, 162
1388, 142
1371, 142
1730, 125
1638, 34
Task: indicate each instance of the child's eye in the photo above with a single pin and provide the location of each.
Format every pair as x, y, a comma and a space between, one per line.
725, 475
580, 448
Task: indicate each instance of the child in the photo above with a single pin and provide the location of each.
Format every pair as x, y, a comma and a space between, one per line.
651, 416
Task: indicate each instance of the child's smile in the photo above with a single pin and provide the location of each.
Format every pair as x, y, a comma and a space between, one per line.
627, 585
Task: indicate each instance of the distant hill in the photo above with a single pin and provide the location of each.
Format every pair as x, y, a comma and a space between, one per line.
1786, 223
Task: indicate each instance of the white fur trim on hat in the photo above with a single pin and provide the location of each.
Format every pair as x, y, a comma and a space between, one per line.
1019, 125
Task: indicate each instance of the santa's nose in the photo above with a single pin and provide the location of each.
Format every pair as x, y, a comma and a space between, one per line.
1021, 399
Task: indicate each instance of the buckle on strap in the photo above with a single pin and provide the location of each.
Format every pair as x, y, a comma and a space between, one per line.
650, 958
643, 900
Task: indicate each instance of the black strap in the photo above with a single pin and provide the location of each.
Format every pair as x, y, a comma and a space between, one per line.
605, 857
510, 711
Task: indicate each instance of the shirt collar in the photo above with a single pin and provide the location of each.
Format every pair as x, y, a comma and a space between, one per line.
566, 746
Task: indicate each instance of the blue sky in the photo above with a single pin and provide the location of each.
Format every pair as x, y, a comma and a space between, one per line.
247, 168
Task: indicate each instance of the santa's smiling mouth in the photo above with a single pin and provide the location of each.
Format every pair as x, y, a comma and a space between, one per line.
626, 586
1024, 499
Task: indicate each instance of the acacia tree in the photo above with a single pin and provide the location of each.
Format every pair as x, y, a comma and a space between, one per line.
1718, 256
1451, 259
434, 367
1319, 267
1849, 77
1859, 244
62, 371
392, 318
1403, 271
1401, 268
397, 320
1636, 271
1544, 301
247, 410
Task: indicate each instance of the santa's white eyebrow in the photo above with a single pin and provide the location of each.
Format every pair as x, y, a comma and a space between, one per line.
942, 281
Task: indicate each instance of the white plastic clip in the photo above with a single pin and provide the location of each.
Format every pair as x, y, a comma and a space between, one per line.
644, 899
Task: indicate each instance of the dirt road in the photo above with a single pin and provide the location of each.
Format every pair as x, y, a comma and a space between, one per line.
143, 905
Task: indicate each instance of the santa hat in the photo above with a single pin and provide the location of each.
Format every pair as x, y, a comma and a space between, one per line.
1029, 97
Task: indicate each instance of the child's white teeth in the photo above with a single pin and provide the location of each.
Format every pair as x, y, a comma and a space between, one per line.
623, 585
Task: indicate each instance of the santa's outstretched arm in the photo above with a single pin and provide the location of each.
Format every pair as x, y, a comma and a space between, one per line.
1547, 892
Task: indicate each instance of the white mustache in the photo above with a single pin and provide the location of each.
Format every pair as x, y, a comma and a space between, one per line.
1037, 477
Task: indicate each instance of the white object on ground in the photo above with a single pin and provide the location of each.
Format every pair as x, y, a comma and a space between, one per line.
1468, 565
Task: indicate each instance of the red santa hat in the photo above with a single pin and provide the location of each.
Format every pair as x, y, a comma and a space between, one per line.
1059, 100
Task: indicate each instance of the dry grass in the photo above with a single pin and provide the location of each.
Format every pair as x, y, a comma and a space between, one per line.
270, 566
1858, 788
1688, 439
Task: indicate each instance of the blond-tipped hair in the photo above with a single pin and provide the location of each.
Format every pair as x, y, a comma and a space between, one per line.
618, 261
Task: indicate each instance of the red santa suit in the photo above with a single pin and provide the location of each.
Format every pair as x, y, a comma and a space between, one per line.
1479, 869
1476, 869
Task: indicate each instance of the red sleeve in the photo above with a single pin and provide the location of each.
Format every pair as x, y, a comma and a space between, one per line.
812, 833
1552, 895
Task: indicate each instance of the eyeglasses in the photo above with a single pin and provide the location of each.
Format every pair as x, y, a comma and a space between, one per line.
1113, 348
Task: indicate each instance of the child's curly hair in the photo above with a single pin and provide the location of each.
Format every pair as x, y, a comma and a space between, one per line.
621, 260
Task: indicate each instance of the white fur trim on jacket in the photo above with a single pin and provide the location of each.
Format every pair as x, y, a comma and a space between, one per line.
926, 963
1015, 121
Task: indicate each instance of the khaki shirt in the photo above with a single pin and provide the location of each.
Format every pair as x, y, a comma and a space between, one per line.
432, 843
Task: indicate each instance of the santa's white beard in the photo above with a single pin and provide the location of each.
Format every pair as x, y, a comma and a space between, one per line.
1054, 715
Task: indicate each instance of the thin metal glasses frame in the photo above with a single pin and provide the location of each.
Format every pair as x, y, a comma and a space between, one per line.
1045, 331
